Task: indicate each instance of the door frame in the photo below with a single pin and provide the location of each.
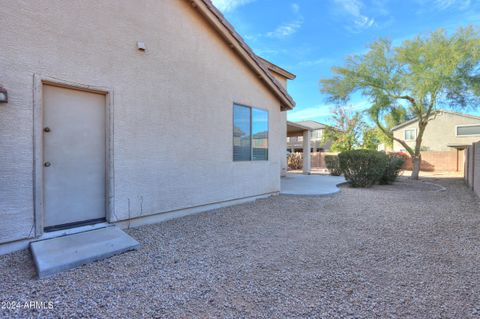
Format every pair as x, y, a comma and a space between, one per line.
38, 181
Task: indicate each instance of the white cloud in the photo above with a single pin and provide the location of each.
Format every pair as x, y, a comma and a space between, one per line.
295, 8
444, 4
287, 29
320, 61
354, 8
230, 5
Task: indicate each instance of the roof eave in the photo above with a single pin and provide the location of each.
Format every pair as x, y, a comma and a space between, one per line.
299, 126
216, 20
279, 70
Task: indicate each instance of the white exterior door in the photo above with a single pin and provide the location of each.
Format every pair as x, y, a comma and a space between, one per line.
74, 156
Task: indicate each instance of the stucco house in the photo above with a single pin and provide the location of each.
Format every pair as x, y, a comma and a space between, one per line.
444, 140
445, 130
131, 113
295, 143
306, 137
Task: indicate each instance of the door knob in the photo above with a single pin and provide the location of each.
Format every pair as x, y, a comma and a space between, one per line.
47, 129
47, 164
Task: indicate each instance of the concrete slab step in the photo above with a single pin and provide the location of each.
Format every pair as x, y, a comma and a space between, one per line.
58, 254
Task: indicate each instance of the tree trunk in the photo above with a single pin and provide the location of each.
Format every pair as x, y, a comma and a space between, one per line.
416, 161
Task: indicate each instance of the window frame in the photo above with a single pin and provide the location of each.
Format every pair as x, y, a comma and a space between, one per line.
267, 137
317, 134
465, 125
405, 134
251, 135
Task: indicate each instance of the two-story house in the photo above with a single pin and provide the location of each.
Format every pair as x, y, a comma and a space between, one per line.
445, 130
444, 140
295, 144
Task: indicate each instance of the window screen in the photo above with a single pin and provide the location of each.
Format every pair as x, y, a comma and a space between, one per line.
468, 130
259, 135
317, 134
241, 133
250, 134
410, 135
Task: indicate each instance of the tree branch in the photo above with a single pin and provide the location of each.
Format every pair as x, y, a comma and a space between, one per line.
390, 135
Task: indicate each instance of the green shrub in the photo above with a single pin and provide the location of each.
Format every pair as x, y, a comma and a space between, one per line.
393, 169
295, 161
333, 165
362, 168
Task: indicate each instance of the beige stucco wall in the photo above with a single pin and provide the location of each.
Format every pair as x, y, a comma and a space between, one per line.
439, 133
284, 165
172, 104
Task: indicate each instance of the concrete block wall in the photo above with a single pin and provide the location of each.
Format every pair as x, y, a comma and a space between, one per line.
472, 167
439, 161
476, 168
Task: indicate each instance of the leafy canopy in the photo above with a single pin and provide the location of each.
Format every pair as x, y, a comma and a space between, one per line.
346, 131
412, 80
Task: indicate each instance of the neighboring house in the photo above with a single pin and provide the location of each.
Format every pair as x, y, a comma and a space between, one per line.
444, 140
295, 143
444, 130
134, 113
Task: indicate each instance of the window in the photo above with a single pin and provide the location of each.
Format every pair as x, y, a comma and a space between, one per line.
259, 135
467, 130
317, 135
250, 134
241, 133
410, 134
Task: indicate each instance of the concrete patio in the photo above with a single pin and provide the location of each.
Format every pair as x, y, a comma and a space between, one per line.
310, 185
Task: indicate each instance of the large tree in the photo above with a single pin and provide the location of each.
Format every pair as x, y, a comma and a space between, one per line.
371, 138
418, 76
392, 118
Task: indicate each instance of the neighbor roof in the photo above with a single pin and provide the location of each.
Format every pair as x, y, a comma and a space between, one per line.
235, 41
435, 113
314, 125
296, 127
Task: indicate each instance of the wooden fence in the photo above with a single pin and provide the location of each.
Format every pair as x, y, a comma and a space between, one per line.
318, 159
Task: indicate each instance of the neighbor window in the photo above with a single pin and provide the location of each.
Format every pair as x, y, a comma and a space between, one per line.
410, 134
466, 130
317, 134
250, 134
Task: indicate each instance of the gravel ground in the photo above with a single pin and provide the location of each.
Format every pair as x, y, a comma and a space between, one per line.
411, 250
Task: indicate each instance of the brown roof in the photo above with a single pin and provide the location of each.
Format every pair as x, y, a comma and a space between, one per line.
432, 116
235, 41
279, 70
314, 125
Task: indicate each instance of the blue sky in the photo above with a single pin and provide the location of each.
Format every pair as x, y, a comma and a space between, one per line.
308, 37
